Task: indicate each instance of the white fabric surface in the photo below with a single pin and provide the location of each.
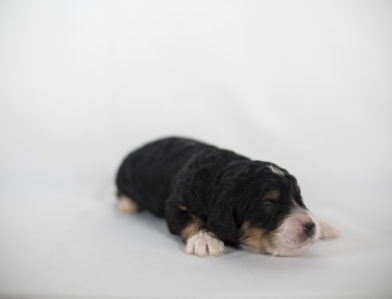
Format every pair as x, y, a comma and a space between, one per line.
75, 244
306, 85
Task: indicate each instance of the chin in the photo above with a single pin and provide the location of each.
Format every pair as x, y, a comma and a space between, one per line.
283, 248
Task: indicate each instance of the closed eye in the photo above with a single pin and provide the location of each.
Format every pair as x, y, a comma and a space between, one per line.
269, 204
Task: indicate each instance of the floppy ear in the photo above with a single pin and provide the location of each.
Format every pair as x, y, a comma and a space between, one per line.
221, 222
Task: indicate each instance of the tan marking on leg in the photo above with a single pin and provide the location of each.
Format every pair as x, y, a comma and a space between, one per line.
192, 228
199, 241
127, 205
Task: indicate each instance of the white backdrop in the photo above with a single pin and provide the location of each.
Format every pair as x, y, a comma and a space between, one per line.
304, 84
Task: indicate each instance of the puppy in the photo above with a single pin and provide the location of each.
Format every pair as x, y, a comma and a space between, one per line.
211, 196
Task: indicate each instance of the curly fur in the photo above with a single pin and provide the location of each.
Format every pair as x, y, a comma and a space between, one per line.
182, 180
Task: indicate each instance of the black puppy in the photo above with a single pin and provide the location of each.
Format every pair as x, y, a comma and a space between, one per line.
209, 196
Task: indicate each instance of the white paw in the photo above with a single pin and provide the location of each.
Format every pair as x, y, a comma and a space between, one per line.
204, 243
127, 205
328, 231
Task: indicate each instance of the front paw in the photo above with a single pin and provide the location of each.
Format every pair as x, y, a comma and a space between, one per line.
204, 243
328, 231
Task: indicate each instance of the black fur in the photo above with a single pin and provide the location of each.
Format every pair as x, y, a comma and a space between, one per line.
175, 178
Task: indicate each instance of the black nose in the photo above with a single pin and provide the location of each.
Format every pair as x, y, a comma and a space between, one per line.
309, 228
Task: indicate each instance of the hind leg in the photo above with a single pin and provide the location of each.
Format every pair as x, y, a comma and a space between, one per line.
127, 204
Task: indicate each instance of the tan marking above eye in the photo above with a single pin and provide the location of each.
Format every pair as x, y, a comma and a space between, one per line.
272, 194
182, 207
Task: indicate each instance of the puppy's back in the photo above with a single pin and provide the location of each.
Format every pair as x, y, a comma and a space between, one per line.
145, 175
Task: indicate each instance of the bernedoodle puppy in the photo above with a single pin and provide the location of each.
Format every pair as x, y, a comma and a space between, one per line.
211, 196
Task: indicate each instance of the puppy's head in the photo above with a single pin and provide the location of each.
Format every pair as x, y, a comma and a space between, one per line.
269, 210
